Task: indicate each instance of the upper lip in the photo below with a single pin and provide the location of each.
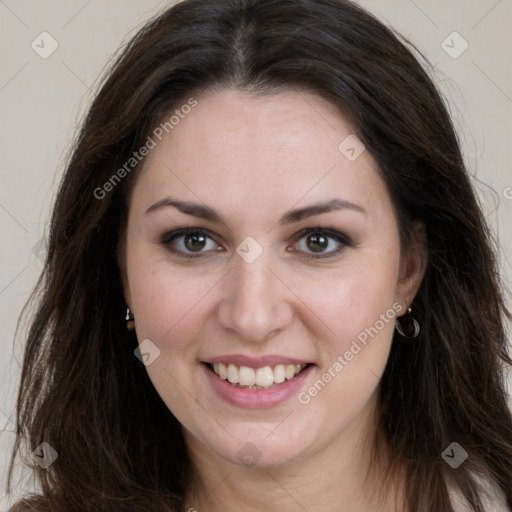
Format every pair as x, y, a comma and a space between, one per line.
255, 362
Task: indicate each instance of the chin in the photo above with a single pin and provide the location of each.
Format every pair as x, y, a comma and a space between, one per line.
260, 448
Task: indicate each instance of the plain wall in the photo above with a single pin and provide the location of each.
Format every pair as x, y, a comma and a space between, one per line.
42, 101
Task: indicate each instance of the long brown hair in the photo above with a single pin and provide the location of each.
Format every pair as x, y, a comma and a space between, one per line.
83, 391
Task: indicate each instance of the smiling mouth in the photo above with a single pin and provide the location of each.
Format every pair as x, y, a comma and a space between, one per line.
265, 377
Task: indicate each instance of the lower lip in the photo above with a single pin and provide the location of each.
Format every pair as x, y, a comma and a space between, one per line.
256, 398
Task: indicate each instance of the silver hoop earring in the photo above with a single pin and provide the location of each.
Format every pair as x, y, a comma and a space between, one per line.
412, 328
130, 320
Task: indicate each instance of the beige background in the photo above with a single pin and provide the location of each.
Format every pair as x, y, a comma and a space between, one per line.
42, 100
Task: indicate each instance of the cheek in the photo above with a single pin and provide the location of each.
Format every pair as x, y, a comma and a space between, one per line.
355, 298
361, 301
167, 305
361, 312
169, 310
358, 314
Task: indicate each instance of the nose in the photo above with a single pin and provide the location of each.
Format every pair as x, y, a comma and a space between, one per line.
256, 304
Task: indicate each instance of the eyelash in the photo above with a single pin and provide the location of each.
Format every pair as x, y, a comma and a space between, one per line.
342, 239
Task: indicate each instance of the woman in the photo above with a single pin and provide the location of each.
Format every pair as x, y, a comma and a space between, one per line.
269, 285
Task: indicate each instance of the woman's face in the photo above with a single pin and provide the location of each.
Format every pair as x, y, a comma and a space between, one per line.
292, 263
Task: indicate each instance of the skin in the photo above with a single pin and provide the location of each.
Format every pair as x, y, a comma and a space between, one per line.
253, 158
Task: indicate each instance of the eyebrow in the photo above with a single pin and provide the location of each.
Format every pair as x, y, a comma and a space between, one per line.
205, 212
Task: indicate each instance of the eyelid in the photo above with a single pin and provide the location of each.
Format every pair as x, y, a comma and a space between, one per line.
332, 233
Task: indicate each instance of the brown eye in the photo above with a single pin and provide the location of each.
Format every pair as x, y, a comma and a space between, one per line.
317, 243
321, 243
186, 242
194, 242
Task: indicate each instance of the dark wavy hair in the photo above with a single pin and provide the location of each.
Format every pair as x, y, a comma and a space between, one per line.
83, 391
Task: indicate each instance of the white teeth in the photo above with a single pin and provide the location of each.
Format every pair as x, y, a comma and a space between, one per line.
279, 373
246, 376
257, 377
264, 376
289, 371
232, 374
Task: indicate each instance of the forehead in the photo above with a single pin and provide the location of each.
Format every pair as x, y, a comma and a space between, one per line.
260, 151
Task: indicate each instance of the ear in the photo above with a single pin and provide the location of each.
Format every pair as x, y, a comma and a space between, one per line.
413, 266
